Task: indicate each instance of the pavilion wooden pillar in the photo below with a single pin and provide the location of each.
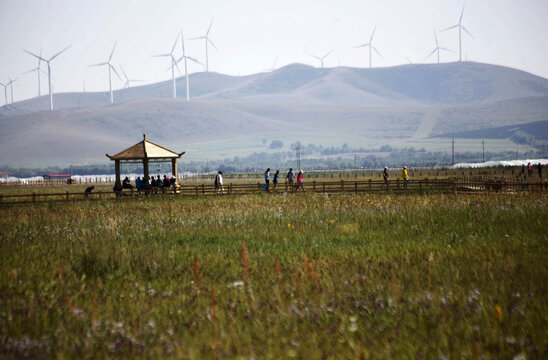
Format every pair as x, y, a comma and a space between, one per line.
145, 169
174, 167
118, 184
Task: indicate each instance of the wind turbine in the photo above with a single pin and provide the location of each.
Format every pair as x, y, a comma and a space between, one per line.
128, 81
173, 64
49, 71
321, 58
11, 87
436, 49
5, 92
207, 40
370, 46
38, 70
110, 67
461, 27
185, 56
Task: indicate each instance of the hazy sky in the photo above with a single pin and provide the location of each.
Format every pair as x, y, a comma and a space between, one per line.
251, 34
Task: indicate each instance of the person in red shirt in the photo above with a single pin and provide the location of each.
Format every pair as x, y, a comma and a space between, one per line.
299, 181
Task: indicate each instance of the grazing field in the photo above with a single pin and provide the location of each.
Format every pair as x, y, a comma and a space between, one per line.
274, 277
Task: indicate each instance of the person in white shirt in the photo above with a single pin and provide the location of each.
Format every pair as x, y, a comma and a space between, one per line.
219, 183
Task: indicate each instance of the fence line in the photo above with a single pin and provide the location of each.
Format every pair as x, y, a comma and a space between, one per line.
328, 187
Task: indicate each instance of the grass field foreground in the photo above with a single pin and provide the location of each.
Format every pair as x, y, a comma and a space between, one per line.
270, 277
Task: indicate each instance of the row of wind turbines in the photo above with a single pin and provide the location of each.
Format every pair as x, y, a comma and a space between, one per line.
185, 57
437, 49
111, 68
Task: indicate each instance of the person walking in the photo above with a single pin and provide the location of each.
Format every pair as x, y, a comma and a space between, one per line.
299, 181
219, 189
267, 178
405, 177
290, 177
529, 169
276, 177
385, 176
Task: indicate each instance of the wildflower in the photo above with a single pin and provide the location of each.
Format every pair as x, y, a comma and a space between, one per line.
498, 312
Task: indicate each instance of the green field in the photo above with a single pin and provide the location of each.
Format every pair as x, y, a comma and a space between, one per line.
276, 277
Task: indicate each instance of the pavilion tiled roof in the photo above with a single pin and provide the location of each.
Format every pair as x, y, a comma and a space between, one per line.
145, 150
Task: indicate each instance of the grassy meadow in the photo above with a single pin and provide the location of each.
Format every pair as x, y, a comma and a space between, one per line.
268, 276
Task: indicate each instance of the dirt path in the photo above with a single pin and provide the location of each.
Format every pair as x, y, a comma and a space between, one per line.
429, 118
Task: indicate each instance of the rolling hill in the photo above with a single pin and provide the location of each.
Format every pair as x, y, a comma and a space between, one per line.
228, 115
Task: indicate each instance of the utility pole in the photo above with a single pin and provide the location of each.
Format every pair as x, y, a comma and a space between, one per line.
453, 151
483, 144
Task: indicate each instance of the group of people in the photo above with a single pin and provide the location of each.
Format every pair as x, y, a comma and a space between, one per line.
404, 176
530, 170
152, 183
290, 179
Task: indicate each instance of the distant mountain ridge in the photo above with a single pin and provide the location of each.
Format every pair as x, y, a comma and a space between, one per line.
296, 102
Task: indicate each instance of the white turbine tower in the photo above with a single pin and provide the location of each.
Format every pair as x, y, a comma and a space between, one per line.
48, 61
461, 27
207, 40
370, 46
185, 56
436, 49
110, 67
5, 92
321, 58
173, 64
128, 80
11, 87
38, 70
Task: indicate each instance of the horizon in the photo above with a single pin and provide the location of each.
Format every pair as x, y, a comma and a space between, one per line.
505, 34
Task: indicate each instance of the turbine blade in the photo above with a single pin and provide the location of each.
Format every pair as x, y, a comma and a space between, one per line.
451, 27
123, 72
212, 44
36, 56
197, 38
360, 46
314, 56
192, 59
60, 52
371, 39
177, 66
468, 32
161, 55
378, 53
210, 25
182, 41
436, 37
329, 53
112, 52
462, 13
33, 70
116, 72
100, 64
446, 49
433, 52
174, 44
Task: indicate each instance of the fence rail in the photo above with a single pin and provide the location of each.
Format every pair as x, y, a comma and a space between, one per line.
329, 187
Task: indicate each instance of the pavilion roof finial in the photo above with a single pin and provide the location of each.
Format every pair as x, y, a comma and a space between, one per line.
144, 137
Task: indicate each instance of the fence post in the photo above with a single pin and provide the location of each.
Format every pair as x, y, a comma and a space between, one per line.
420, 185
197, 190
314, 186
323, 183
370, 185
203, 189
342, 185
230, 189
67, 195
355, 186
33, 197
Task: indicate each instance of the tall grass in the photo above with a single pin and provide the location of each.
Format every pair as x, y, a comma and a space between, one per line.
311, 276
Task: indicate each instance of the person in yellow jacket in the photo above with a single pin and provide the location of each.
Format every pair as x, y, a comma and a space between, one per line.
405, 177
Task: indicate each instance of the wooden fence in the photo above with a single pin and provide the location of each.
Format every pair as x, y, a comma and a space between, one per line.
423, 186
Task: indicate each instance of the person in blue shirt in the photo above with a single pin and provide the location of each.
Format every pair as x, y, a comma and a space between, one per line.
267, 178
276, 176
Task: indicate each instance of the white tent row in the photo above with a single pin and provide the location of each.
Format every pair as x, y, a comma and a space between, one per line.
534, 162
